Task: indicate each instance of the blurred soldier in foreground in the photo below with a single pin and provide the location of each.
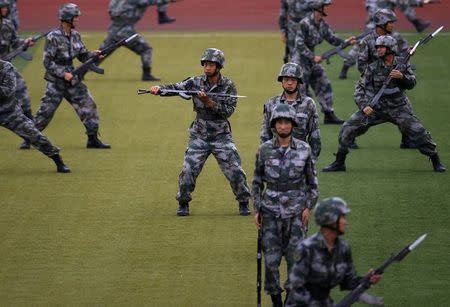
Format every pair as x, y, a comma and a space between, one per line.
12, 117
306, 117
61, 47
284, 190
162, 14
210, 133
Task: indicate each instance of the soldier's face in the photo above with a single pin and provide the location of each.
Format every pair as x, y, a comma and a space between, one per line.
342, 224
75, 21
4, 11
289, 84
210, 68
381, 51
283, 127
389, 27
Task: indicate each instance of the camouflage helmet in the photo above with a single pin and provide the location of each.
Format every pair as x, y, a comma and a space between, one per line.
4, 3
329, 210
213, 55
290, 70
68, 11
283, 111
383, 16
316, 4
387, 41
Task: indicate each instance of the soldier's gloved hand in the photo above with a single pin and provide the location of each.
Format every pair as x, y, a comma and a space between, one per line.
68, 76
396, 74
368, 110
374, 278
258, 220
100, 56
317, 59
352, 40
29, 41
205, 99
155, 90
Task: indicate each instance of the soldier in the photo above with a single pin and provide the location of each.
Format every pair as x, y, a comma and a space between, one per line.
407, 8
312, 277
291, 13
312, 31
393, 106
61, 47
124, 15
307, 119
9, 40
162, 14
12, 117
286, 167
210, 132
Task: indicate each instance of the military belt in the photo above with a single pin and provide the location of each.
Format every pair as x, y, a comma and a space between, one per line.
208, 116
318, 293
64, 63
284, 187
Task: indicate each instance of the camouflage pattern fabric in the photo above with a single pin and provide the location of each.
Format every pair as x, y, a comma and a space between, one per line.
59, 52
293, 165
307, 37
393, 107
163, 7
316, 271
306, 117
14, 14
210, 133
291, 13
9, 40
11, 116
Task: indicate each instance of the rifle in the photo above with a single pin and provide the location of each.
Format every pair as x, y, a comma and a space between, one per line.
353, 296
340, 49
20, 51
91, 63
376, 99
258, 270
186, 94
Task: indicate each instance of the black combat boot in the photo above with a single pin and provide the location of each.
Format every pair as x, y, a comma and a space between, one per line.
338, 165
421, 25
344, 70
243, 208
94, 142
60, 166
25, 145
276, 300
147, 75
331, 118
183, 208
164, 18
437, 165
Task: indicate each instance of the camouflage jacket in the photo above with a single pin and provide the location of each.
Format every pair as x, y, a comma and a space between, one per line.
129, 12
293, 168
316, 271
372, 80
310, 35
367, 53
13, 14
9, 39
60, 50
8, 101
209, 122
307, 121
292, 11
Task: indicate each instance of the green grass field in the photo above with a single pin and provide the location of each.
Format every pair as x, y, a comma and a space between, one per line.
107, 233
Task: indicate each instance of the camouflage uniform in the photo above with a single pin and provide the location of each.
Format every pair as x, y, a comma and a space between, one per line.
210, 133
59, 51
308, 36
291, 185
9, 40
407, 8
12, 117
393, 107
124, 16
291, 13
317, 270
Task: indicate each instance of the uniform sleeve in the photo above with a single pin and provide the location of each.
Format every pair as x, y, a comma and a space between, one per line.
282, 18
8, 85
311, 183
265, 132
314, 133
350, 280
16, 41
50, 50
402, 45
185, 85
409, 79
257, 181
331, 37
300, 46
225, 106
84, 54
363, 56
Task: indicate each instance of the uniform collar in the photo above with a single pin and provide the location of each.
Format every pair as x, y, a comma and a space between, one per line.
275, 143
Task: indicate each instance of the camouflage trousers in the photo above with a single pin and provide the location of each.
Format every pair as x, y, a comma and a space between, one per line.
302, 298
279, 238
163, 7
24, 127
408, 11
22, 95
139, 45
314, 76
77, 95
401, 116
226, 154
